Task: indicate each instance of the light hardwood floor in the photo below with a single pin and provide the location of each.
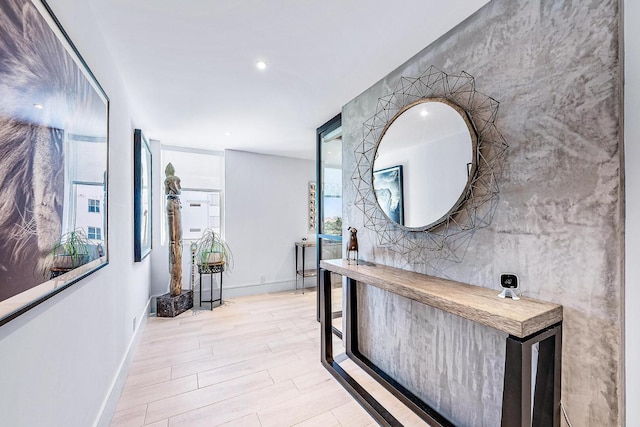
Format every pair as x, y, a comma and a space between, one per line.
254, 361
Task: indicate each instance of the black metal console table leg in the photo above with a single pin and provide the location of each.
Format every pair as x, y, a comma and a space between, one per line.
351, 318
516, 398
546, 401
413, 402
368, 402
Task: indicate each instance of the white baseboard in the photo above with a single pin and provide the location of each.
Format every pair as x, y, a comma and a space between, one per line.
111, 401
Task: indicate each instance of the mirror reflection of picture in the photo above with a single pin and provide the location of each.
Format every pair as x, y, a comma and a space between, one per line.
389, 192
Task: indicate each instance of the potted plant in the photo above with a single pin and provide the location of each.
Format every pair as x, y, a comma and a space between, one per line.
72, 250
213, 250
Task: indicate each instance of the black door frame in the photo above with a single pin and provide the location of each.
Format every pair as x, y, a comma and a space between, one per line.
329, 126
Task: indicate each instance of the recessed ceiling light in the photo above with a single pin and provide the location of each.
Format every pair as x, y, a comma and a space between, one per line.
227, 133
261, 65
424, 113
38, 106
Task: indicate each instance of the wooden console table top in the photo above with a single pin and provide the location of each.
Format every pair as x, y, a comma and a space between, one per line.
482, 305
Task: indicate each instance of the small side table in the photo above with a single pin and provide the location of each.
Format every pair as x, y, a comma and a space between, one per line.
211, 269
302, 272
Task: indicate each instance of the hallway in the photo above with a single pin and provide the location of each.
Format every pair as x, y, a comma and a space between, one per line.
252, 362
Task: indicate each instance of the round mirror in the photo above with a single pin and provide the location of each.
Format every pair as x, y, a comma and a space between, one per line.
424, 163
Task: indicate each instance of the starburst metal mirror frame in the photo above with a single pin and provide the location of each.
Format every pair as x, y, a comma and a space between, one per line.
450, 237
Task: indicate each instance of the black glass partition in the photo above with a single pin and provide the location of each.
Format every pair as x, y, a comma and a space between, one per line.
329, 203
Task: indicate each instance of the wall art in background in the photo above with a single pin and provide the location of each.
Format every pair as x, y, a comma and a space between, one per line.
313, 213
141, 196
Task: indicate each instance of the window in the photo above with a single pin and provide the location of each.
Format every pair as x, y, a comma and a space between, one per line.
88, 208
94, 233
202, 175
200, 209
94, 206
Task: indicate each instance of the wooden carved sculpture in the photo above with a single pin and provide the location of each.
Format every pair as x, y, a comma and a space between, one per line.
172, 190
353, 245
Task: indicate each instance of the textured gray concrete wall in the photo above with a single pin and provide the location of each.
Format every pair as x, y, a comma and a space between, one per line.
554, 67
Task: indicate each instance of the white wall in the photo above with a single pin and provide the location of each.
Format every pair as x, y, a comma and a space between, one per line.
632, 223
265, 213
160, 253
61, 359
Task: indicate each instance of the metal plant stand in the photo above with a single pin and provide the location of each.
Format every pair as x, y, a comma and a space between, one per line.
211, 269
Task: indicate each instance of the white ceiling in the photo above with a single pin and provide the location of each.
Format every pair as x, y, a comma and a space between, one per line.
190, 65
